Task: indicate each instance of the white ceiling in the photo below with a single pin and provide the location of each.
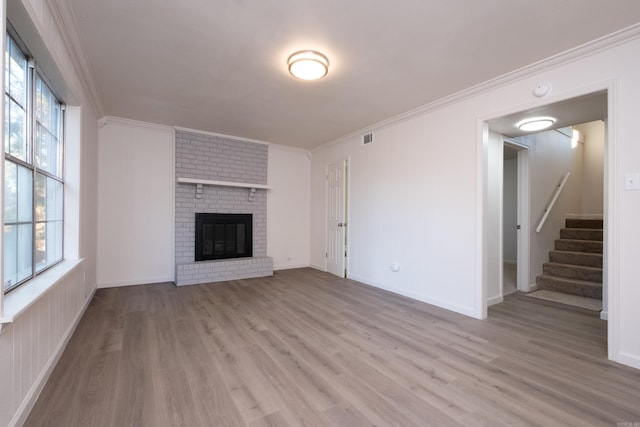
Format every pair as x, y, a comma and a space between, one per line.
220, 65
570, 112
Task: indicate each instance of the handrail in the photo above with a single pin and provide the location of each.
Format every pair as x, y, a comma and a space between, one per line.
553, 201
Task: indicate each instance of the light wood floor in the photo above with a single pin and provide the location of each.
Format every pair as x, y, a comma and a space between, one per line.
304, 348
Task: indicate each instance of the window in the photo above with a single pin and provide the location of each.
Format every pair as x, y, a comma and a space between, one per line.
33, 178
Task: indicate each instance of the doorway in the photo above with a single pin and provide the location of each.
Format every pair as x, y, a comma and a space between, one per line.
510, 225
515, 217
337, 212
506, 217
501, 132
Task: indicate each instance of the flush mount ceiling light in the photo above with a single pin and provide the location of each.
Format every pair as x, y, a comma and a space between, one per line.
535, 123
308, 65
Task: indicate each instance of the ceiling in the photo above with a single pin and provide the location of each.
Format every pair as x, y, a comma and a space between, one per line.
571, 112
220, 65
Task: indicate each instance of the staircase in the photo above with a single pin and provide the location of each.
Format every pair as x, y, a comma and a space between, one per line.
575, 266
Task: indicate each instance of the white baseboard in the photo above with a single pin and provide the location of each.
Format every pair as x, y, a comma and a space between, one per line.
318, 267
289, 267
467, 311
604, 315
34, 392
495, 300
144, 281
628, 359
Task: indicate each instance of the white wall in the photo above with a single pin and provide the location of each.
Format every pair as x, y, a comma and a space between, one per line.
416, 192
510, 210
593, 136
135, 203
550, 157
31, 345
288, 207
136, 198
410, 205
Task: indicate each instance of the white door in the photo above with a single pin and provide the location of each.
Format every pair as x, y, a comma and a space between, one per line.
336, 216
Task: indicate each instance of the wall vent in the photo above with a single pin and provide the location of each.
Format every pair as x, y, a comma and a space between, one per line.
367, 138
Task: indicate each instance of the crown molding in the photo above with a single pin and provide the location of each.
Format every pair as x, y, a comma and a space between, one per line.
221, 135
289, 148
563, 58
103, 121
65, 20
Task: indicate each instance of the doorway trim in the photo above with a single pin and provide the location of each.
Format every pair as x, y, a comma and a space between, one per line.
524, 195
611, 209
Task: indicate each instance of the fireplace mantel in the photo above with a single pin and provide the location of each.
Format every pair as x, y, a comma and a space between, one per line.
222, 183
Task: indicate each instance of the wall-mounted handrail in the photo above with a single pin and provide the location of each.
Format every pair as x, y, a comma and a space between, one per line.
553, 201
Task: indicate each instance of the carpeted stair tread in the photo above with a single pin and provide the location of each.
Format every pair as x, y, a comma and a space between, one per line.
584, 223
569, 271
576, 258
583, 288
575, 265
591, 246
581, 234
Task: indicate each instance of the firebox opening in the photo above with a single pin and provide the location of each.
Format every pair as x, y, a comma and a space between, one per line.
223, 236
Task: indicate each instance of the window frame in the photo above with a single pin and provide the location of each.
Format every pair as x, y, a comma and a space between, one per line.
34, 75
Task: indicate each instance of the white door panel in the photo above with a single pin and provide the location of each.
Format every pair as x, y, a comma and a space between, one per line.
336, 217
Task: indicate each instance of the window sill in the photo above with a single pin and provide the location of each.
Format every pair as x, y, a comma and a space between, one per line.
19, 300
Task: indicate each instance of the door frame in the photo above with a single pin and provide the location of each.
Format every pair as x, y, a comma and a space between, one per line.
523, 214
611, 210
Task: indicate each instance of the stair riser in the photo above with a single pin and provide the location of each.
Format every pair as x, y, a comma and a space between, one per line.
573, 272
558, 285
584, 259
584, 223
580, 234
579, 246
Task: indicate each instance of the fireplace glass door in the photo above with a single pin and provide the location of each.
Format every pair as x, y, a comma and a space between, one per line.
223, 236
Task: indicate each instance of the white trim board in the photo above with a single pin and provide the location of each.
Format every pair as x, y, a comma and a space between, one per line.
65, 20
221, 135
135, 282
290, 267
467, 311
222, 183
133, 123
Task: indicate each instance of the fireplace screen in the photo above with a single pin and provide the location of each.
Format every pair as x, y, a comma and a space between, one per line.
222, 236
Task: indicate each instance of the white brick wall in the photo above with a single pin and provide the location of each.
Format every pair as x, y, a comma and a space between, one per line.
210, 157
220, 159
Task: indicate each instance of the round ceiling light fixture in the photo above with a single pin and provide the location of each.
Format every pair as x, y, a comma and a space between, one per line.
535, 123
308, 65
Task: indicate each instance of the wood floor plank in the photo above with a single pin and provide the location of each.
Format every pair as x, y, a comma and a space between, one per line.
272, 420
346, 414
210, 397
307, 348
136, 403
319, 392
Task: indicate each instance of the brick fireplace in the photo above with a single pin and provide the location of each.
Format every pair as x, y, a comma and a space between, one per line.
212, 165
